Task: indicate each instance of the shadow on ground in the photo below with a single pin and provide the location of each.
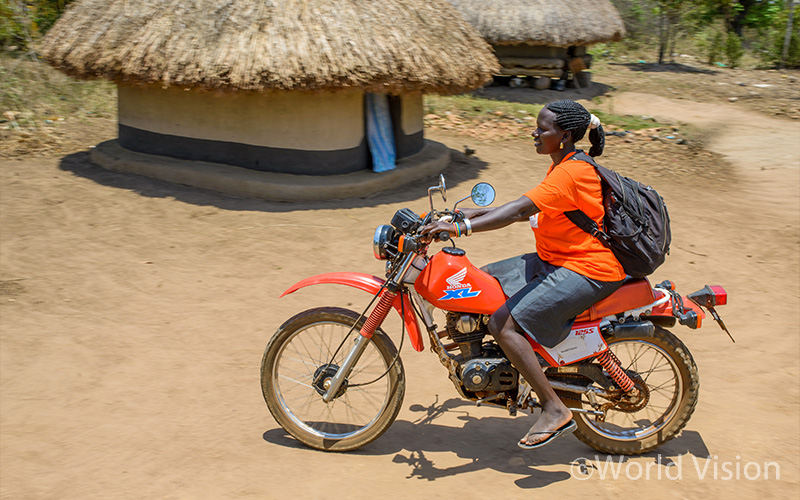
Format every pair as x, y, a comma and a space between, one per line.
462, 170
490, 443
533, 96
665, 68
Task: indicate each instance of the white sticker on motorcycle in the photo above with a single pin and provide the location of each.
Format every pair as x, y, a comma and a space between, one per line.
580, 343
458, 290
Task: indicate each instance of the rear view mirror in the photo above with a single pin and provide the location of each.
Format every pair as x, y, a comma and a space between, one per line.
483, 194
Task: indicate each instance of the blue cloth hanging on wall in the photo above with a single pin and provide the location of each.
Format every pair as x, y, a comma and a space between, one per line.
380, 137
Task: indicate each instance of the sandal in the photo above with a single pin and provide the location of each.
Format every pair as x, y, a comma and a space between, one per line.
565, 429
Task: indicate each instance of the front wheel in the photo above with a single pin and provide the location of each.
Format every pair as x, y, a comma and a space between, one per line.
668, 374
296, 362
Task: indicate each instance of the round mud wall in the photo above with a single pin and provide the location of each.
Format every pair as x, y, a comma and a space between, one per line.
308, 133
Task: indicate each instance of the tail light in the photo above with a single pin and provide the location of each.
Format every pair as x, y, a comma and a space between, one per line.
720, 295
709, 296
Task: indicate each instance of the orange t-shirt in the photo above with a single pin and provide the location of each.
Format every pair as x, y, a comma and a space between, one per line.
572, 185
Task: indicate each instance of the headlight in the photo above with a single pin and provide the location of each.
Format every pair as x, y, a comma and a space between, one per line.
383, 237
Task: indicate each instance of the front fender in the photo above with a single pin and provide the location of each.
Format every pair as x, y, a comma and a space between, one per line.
370, 284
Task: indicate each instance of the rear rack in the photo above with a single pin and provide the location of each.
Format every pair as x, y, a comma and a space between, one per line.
635, 314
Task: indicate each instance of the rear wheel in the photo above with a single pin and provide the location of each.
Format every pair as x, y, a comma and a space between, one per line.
298, 360
668, 375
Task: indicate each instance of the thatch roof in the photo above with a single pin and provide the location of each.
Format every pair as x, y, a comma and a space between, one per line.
556, 23
392, 46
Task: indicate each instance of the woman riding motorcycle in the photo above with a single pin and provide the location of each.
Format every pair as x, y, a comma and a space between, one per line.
571, 269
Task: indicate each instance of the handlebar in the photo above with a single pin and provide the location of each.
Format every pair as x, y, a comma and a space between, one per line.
448, 217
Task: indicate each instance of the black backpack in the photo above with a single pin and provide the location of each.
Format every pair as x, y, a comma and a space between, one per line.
636, 222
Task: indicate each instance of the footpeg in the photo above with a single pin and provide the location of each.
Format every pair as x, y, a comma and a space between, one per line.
491, 398
590, 412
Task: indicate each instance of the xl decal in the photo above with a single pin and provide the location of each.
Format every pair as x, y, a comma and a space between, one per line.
458, 290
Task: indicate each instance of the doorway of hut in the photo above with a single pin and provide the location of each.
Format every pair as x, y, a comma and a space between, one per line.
394, 128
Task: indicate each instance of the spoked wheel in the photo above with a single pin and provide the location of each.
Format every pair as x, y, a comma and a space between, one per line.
666, 375
297, 365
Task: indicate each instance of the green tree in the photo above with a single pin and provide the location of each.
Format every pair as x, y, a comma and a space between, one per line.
47, 13
763, 27
664, 18
672, 15
13, 29
23, 21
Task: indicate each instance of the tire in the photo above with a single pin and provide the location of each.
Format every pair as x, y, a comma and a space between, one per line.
655, 427
299, 349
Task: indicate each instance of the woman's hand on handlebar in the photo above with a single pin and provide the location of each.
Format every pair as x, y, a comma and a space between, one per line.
435, 230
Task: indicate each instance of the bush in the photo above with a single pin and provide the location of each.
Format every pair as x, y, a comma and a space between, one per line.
20, 21
47, 12
793, 58
12, 32
776, 52
715, 48
733, 50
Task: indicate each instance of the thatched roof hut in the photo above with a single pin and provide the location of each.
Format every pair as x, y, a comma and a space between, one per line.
563, 23
273, 85
391, 46
546, 32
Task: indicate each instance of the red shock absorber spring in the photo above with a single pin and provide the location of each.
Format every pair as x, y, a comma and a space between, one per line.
378, 314
611, 365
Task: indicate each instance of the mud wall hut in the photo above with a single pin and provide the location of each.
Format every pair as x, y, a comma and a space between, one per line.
542, 38
274, 85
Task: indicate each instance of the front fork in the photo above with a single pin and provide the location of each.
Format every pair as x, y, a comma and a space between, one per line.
374, 320
333, 384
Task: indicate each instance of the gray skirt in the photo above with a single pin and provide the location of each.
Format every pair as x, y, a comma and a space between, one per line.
545, 299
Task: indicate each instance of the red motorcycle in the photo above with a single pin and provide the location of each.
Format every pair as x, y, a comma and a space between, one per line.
333, 379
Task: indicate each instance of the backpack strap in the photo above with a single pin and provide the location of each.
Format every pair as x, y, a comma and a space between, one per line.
584, 222
578, 217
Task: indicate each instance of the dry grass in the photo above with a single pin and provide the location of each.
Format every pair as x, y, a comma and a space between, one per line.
40, 106
495, 120
35, 92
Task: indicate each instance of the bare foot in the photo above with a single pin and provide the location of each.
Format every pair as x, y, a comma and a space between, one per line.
547, 423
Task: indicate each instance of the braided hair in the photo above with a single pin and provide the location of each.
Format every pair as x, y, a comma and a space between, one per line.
572, 117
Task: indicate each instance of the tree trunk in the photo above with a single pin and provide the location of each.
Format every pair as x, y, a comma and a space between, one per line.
738, 19
673, 35
662, 42
788, 37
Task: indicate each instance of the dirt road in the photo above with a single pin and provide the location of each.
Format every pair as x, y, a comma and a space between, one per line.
133, 315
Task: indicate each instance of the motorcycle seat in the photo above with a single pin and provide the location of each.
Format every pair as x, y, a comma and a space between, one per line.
632, 294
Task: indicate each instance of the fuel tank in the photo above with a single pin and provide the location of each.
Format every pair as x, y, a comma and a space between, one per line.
452, 283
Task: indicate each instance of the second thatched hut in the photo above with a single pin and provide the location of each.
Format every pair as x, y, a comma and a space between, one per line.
276, 86
543, 38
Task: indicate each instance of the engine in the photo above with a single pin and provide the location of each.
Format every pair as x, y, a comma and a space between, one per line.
488, 374
468, 331
483, 367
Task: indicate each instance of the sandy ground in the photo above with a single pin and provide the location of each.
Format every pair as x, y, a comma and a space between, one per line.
133, 316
